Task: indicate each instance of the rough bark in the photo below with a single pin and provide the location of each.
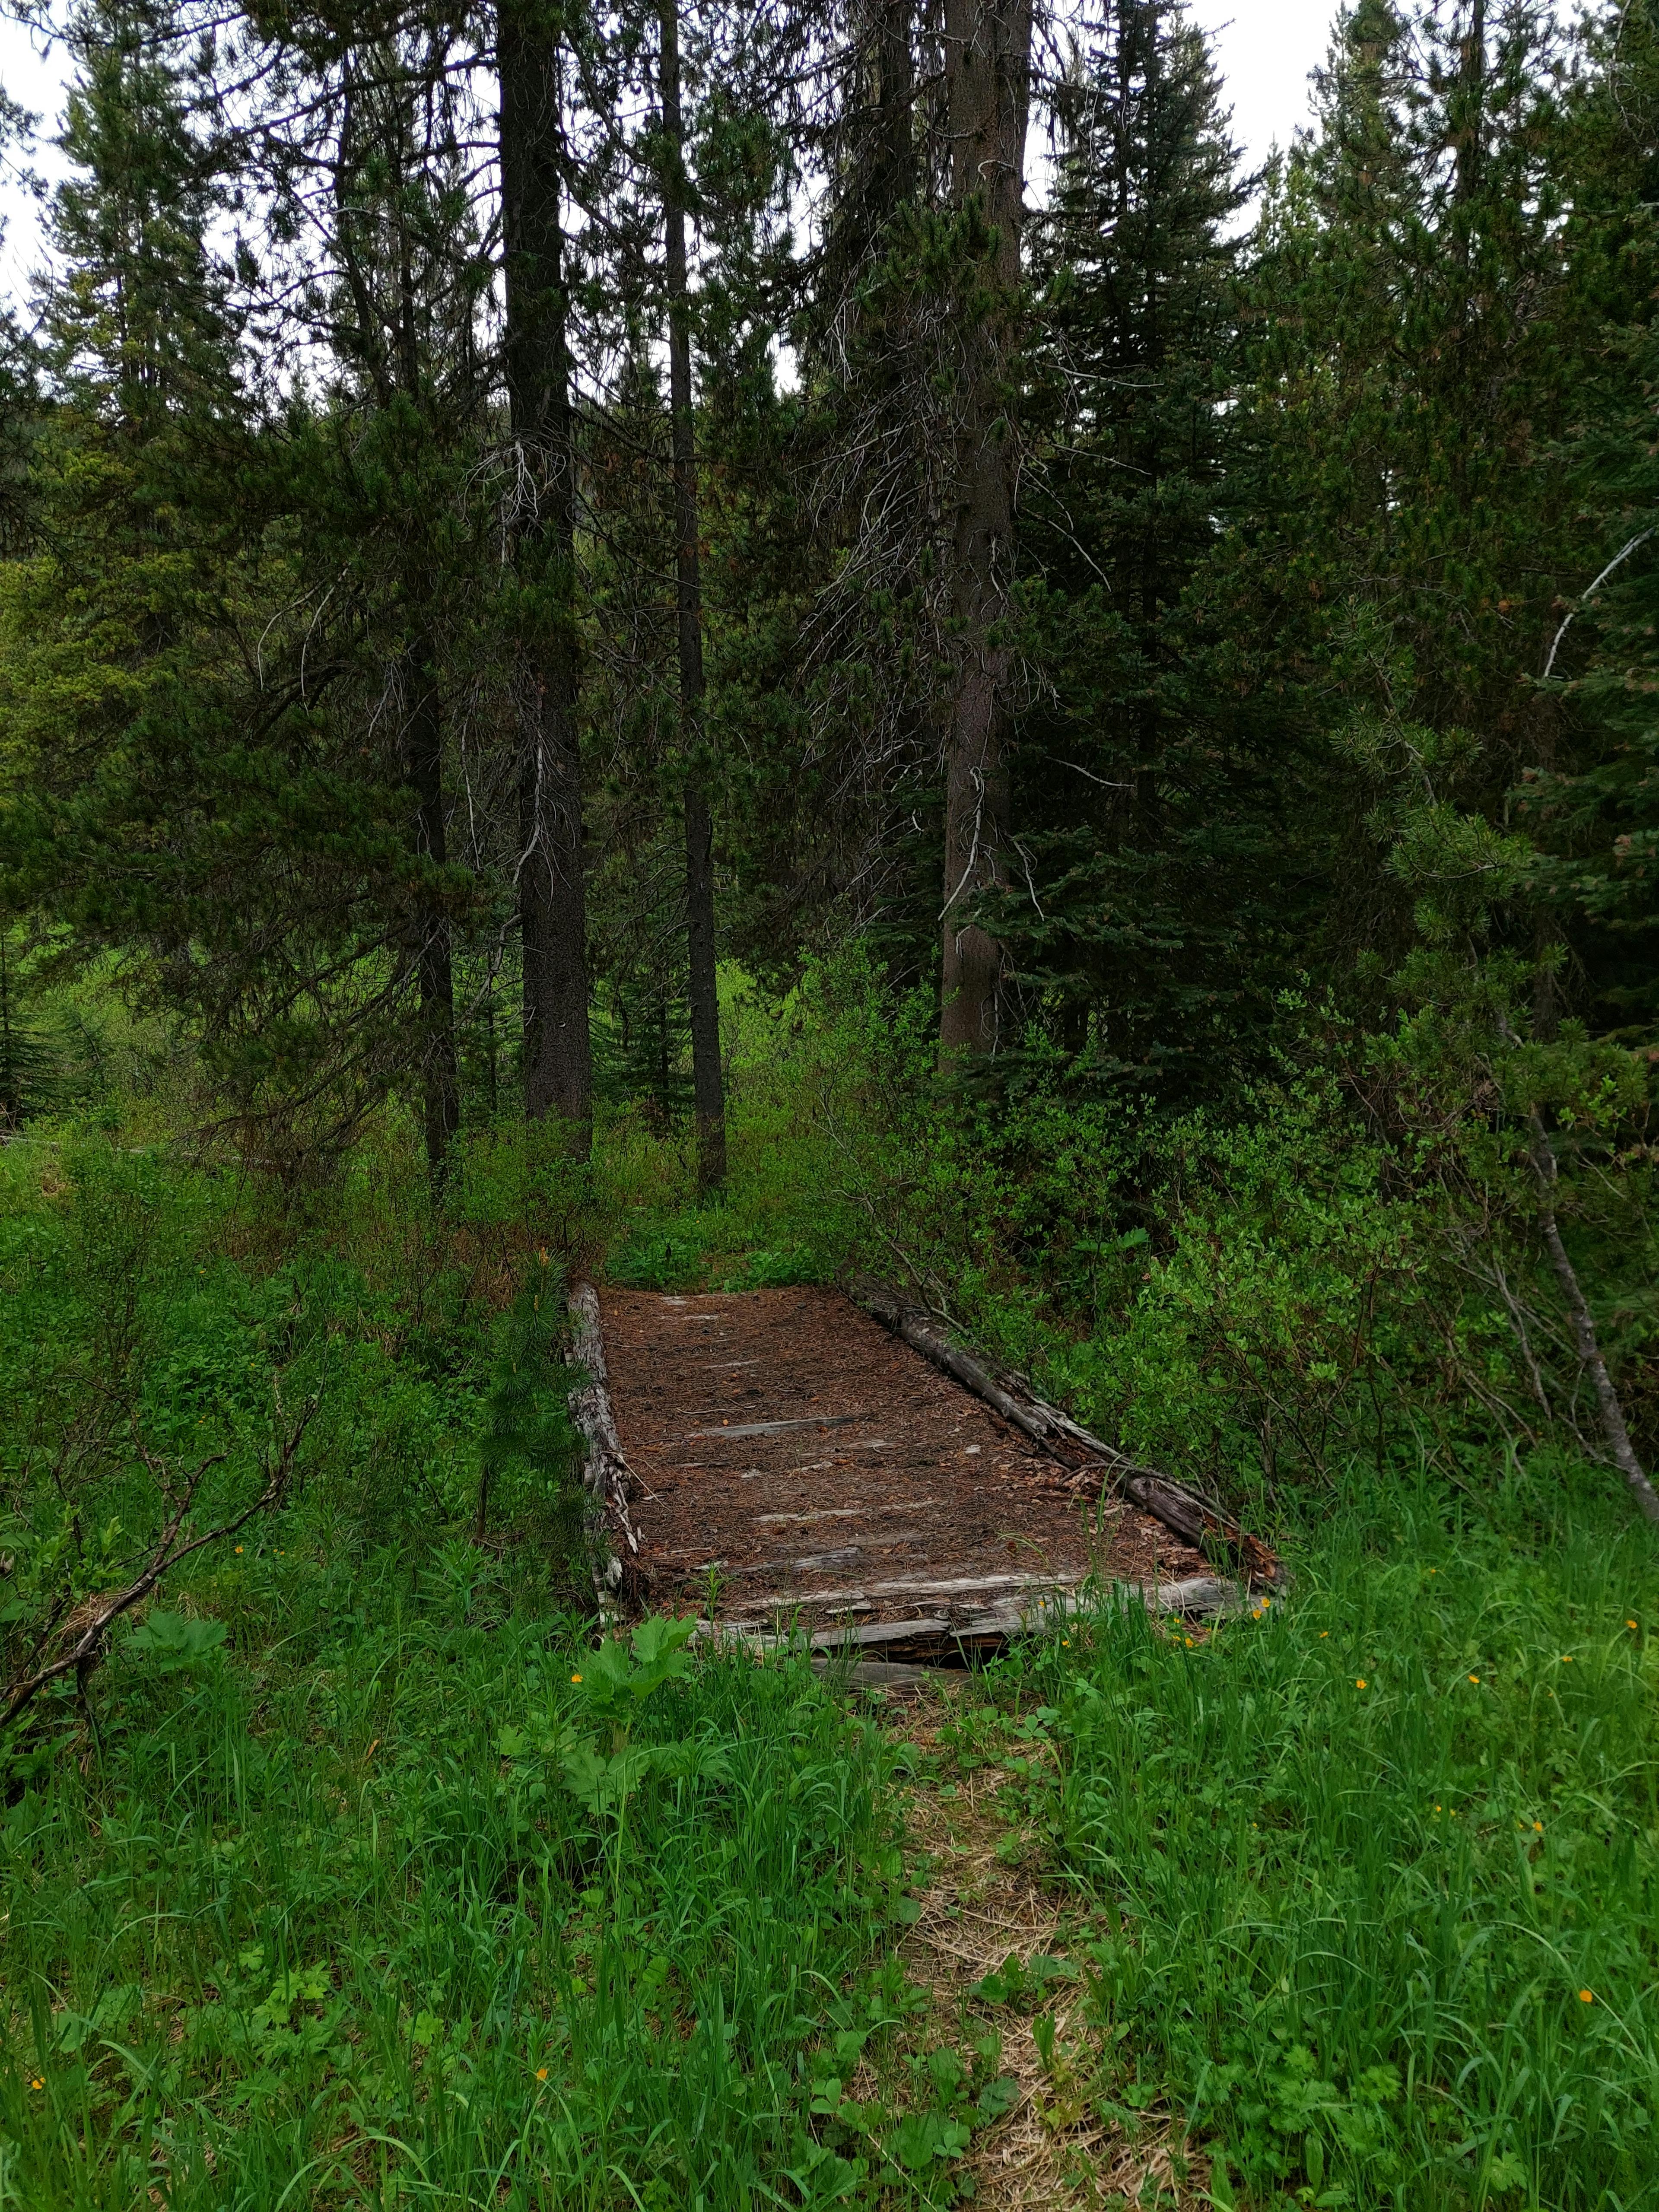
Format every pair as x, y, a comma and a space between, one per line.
606, 1475
423, 739
1609, 1411
708, 1087
987, 56
558, 1076
895, 180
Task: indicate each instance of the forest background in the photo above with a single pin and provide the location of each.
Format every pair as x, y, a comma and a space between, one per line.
738, 645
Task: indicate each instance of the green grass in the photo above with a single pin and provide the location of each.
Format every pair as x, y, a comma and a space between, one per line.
1341, 1900
332, 1911
300, 1934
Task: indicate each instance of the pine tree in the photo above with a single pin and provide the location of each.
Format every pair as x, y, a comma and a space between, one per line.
535, 59
1425, 312
1137, 823
209, 660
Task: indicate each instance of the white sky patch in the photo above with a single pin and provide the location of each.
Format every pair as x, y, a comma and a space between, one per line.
36, 82
1265, 49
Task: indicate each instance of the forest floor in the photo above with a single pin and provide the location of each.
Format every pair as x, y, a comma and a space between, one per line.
796, 1462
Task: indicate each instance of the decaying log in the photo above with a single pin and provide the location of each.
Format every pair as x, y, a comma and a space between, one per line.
964, 1632
1087, 1460
606, 1476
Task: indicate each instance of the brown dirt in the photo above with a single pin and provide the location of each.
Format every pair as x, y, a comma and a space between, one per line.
788, 1449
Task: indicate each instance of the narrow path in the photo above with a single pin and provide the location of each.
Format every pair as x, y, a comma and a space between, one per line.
808, 1464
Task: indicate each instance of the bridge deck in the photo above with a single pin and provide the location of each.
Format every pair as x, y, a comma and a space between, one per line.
802, 1463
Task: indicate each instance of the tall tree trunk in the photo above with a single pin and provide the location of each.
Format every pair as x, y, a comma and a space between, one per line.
895, 160
558, 1068
707, 1088
423, 742
988, 60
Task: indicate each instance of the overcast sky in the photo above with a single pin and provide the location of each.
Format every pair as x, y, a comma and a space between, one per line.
1265, 48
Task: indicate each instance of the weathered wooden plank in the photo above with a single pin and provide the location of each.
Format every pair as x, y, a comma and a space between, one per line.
606, 1475
1198, 1597
737, 1429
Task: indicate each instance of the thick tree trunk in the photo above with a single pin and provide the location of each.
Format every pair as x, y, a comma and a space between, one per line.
987, 49
895, 162
708, 1090
558, 1075
423, 742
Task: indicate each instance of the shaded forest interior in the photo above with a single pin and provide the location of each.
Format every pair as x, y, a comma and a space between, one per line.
710, 648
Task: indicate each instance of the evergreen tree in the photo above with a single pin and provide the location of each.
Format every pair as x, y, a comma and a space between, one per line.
217, 663
1140, 824
1426, 311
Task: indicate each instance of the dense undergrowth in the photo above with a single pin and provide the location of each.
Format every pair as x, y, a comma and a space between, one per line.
1369, 1881
301, 1933
341, 1887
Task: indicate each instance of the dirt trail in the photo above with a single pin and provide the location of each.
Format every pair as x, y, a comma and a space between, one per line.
787, 1446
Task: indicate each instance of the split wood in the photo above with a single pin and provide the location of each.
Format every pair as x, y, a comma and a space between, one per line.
606, 1475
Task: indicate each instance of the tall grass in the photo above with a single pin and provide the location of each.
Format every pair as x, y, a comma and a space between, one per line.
1372, 1875
295, 1933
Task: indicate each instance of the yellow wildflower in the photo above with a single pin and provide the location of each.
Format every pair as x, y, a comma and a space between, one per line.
1586, 1996
575, 1678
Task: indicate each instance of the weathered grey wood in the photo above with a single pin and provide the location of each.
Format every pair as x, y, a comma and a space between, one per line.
771, 1428
606, 1475
906, 1586
1201, 1597
932, 1628
985, 1628
877, 1673
1197, 1519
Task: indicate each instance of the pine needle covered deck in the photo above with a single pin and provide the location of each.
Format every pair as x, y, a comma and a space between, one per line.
794, 1464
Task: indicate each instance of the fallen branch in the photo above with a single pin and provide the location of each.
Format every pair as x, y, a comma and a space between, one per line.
90, 1622
1085, 1457
606, 1476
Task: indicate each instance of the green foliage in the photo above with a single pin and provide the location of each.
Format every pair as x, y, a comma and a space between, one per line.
384, 1959
528, 1454
1372, 1873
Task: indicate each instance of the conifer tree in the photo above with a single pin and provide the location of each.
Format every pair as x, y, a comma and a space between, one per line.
534, 61
988, 70
708, 1083
1136, 811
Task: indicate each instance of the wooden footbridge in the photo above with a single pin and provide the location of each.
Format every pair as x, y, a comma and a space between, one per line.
790, 1463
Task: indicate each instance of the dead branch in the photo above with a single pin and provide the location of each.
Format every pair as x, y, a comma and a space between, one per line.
90, 1622
1584, 1327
